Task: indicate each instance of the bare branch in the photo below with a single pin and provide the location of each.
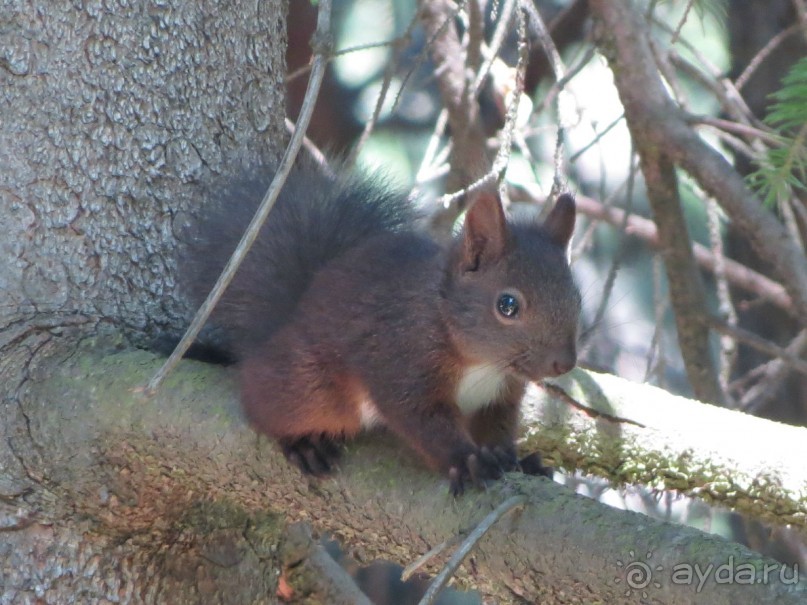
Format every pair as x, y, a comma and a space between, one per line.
764, 53
771, 374
760, 344
468, 158
465, 548
739, 275
623, 38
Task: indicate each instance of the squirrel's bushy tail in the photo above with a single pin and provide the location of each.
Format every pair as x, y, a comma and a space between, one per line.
315, 219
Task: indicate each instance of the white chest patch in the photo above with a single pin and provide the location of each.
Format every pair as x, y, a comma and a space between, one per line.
479, 386
369, 414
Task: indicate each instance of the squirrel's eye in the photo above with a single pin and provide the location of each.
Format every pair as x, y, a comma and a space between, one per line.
507, 305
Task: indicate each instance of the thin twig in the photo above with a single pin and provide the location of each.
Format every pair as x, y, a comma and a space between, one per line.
321, 43
659, 310
677, 32
312, 149
735, 143
728, 95
608, 287
499, 35
763, 54
424, 53
557, 165
503, 155
786, 205
428, 556
597, 138
465, 548
382, 94
332, 580
728, 346
667, 71
449, 198
339, 53
432, 147
560, 85
558, 68
771, 375
760, 344
750, 132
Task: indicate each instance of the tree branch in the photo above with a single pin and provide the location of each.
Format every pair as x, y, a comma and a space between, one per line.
468, 158
178, 488
623, 40
738, 274
686, 289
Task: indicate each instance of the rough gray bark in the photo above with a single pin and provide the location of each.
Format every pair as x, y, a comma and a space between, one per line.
112, 115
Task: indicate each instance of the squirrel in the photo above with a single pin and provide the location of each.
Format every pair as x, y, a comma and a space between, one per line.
346, 315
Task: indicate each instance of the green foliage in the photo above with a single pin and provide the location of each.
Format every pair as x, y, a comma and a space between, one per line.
783, 169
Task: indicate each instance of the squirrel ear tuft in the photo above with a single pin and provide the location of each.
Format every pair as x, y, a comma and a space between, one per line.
485, 233
559, 224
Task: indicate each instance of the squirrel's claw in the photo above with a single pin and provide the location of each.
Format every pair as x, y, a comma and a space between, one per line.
479, 466
315, 455
506, 457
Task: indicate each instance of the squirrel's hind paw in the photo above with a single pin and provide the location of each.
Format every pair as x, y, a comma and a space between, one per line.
315, 455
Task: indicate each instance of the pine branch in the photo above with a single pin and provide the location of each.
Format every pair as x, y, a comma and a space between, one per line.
783, 169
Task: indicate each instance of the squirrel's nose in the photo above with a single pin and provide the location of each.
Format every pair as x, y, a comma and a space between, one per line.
561, 367
564, 363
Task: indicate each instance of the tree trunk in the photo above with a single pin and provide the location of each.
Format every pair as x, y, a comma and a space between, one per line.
111, 119
113, 115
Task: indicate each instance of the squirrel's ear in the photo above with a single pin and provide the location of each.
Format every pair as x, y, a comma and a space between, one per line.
485, 232
559, 224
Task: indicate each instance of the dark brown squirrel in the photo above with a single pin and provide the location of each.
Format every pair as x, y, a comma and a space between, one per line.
345, 315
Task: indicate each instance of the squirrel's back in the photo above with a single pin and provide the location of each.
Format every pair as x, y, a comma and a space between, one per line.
316, 218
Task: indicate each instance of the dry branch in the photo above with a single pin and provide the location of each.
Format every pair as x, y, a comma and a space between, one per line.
738, 274
686, 288
623, 39
468, 161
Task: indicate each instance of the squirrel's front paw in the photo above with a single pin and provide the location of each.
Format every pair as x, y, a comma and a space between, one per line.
506, 456
477, 466
313, 454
